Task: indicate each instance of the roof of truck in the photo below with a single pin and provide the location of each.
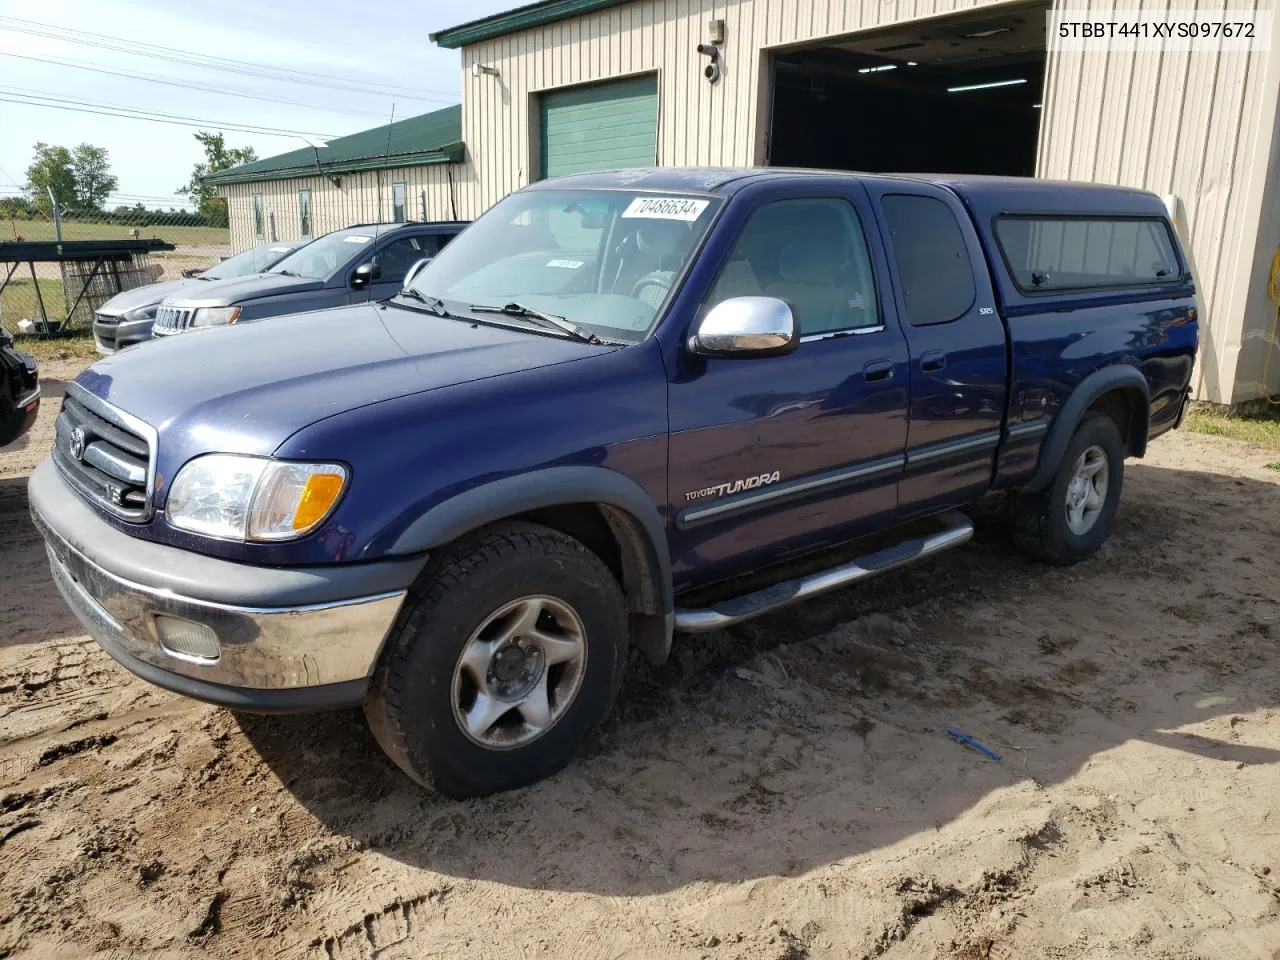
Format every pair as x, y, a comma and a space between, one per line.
982, 193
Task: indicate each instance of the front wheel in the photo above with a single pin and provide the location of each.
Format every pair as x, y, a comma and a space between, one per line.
508, 655
1069, 519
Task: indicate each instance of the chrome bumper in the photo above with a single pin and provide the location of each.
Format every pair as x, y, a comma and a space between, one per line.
258, 648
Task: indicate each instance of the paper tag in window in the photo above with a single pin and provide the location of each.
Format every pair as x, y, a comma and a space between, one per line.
356, 239
666, 208
566, 264
281, 249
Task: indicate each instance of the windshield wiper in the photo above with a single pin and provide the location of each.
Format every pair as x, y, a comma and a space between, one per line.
434, 304
514, 309
287, 273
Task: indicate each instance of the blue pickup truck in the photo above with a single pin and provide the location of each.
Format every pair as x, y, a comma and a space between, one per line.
619, 406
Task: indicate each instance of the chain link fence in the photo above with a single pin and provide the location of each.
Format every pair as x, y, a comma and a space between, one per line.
38, 294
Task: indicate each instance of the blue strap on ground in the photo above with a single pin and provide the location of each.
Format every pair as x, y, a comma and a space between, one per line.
968, 741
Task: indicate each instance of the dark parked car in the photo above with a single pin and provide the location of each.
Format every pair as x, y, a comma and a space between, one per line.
127, 317
618, 406
19, 391
344, 267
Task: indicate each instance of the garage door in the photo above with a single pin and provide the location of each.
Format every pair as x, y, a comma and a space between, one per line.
601, 127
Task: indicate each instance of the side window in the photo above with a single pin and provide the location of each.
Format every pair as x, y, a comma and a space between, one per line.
395, 259
810, 253
257, 215
930, 256
1062, 253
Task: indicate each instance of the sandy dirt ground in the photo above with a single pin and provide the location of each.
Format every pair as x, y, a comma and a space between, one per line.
780, 791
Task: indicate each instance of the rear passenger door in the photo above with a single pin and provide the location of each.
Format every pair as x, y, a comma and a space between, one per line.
957, 342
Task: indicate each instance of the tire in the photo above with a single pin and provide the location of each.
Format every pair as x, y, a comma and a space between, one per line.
1043, 523
476, 598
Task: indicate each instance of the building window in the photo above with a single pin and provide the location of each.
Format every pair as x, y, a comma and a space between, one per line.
304, 213
397, 202
257, 215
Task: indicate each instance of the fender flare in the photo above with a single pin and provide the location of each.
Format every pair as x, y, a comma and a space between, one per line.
1120, 376
549, 487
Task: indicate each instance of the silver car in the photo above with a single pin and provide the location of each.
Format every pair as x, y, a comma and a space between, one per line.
127, 317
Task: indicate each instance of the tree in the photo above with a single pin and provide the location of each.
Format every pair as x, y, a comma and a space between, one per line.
51, 170
216, 159
80, 179
93, 180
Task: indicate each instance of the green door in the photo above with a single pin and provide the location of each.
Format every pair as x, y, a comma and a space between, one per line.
605, 126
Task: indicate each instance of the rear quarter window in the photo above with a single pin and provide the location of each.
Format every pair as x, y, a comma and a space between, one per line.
1047, 253
932, 262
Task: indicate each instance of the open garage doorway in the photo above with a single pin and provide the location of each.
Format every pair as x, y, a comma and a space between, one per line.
956, 94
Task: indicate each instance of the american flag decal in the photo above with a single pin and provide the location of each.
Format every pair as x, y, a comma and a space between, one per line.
856, 302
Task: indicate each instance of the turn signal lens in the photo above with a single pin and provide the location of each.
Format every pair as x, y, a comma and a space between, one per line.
293, 498
318, 496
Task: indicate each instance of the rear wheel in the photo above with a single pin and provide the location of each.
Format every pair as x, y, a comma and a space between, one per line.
1069, 519
508, 655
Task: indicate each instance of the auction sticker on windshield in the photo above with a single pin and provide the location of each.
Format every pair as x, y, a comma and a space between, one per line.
356, 239
666, 208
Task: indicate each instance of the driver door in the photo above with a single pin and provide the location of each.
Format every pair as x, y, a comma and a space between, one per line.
771, 457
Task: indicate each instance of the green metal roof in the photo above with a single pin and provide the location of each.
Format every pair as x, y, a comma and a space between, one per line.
431, 138
521, 18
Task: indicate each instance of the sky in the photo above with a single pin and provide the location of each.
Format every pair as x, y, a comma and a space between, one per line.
365, 48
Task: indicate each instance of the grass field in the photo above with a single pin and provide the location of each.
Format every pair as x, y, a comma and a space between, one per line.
79, 344
18, 301
1261, 431
72, 230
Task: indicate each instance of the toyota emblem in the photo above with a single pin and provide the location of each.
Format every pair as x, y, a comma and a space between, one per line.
77, 443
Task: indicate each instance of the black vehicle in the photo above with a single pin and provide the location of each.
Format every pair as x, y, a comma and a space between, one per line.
19, 391
348, 266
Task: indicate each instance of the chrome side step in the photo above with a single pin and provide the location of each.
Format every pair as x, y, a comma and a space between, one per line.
957, 528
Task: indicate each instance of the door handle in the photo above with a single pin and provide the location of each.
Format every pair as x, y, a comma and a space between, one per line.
933, 361
877, 370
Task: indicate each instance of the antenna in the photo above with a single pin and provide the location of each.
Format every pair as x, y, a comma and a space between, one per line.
386, 155
315, 143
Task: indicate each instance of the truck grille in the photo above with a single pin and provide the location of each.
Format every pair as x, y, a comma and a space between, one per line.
172, 319
106, 454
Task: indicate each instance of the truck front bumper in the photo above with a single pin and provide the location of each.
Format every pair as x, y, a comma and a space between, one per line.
262, 639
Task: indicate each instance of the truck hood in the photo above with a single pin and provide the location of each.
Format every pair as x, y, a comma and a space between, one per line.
247, 388
225, 293
152, 293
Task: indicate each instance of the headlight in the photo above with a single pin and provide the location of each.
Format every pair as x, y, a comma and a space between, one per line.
143, 313
250, 498
214, 316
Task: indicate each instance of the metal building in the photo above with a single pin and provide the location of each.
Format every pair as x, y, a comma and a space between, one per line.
881, 85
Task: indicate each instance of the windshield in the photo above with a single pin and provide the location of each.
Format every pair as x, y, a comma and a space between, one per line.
322, 257
605, 260
254, 260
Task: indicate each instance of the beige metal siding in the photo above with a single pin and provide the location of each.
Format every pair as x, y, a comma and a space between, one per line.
361, 198
1200, 126
698, 124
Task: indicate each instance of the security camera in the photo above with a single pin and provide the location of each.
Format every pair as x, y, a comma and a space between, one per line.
709, 50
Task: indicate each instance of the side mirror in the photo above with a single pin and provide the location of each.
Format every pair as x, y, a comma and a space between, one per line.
415, 270
365, 274
745, 327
